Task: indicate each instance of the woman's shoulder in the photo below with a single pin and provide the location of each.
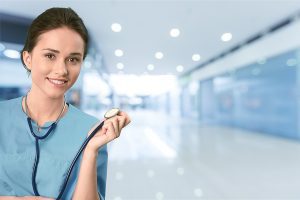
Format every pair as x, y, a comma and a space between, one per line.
10, 104
78, 115
10, 101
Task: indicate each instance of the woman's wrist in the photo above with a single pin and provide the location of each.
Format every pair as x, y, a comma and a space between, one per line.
90, 154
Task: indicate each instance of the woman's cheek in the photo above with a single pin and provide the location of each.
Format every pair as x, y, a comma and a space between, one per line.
74, 75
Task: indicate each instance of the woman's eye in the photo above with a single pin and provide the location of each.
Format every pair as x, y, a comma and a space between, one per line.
50, 56
74, 60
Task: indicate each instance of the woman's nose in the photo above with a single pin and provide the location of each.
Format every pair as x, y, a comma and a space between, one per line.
61, 68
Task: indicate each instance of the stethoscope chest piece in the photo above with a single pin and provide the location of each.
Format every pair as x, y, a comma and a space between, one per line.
111, 113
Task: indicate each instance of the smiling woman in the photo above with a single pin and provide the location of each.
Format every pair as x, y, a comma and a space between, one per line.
35, 156
57, 61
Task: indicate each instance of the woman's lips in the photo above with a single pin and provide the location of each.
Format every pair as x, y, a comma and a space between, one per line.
57, 82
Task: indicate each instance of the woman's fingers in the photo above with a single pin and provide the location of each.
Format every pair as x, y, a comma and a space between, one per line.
115, 122
127, 119
111, 130
122, 122
118, 122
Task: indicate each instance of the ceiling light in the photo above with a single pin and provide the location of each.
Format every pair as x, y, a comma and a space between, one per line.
119, 52
256, 71
159, 195
226, 37
119, 176
150, 67
198, 192
174, 32
120, 65
179, 68
291, 62
10, 53
180, 171
115, 27
150, 173
159, 55
196, 57
262, 61
2, 47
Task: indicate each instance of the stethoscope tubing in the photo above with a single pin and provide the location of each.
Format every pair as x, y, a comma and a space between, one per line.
37, 156
37, 150
86, 141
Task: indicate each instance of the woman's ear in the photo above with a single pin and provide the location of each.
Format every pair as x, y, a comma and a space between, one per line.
27, 59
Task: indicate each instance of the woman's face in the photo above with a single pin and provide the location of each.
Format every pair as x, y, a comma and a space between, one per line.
55, 61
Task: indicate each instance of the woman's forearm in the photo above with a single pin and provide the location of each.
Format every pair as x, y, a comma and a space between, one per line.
86, 186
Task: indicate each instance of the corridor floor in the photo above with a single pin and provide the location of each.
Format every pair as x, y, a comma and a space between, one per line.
158, 157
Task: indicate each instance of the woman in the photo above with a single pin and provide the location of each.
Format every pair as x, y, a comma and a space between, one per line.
55, 48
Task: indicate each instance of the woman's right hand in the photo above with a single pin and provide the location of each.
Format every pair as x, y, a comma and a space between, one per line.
111, 130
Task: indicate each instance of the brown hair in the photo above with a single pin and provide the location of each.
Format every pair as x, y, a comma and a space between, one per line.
51, 19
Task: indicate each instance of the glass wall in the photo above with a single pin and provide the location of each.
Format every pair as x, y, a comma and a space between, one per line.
262, 96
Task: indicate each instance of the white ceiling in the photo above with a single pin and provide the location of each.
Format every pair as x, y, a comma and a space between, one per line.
146, 26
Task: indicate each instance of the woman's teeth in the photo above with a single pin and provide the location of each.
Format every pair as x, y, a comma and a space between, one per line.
57, 82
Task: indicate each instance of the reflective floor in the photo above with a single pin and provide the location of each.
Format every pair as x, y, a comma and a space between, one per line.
158, 157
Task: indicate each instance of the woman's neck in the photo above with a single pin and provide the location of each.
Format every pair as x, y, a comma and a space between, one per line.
43, 109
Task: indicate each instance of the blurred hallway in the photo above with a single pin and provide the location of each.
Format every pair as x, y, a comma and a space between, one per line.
182, 159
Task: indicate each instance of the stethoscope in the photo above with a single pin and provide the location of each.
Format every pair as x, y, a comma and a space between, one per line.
111, 113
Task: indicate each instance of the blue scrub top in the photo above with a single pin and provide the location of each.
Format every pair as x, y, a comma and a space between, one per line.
17, 152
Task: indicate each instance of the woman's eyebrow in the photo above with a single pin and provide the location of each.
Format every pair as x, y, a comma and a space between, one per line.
75, 54
53, 50
56, 51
